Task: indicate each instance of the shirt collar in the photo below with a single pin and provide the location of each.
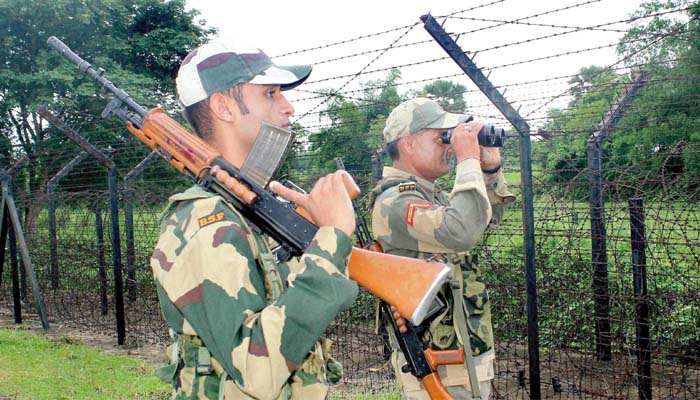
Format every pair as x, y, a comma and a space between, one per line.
391, 172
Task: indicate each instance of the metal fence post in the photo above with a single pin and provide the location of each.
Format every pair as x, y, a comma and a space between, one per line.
599, 257
9, 234
51, 194
512, 115
101, 264
14, 265
117, 254
129, 222
8, 205
641, 307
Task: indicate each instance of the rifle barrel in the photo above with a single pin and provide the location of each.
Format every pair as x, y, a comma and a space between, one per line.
96, 75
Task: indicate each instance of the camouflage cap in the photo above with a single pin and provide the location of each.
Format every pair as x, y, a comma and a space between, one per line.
217, 66
417, 114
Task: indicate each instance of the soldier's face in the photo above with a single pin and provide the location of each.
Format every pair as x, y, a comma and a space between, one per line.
263, 103
430, 155
237, 125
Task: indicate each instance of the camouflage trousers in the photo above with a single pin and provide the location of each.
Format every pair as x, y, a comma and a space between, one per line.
454, 377
196, 374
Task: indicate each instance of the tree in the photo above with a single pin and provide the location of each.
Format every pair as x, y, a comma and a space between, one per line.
657, 41
352, 130
449, 95
140, 43
658, 137
563, 153
664, 138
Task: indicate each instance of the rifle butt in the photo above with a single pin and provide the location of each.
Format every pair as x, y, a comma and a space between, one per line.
408, 284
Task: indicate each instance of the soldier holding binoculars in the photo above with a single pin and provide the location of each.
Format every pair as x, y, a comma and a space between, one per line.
412, 216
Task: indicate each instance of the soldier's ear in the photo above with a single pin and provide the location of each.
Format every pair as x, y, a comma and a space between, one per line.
407, 145
223, 107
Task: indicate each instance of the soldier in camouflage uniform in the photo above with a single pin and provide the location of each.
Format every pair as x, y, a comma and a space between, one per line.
245, 327
413, 217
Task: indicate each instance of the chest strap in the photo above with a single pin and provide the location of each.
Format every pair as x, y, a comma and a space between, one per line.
273, 281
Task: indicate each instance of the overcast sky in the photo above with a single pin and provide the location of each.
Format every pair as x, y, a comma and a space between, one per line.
281, 27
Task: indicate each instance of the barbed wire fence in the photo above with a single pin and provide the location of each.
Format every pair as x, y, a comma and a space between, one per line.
67, 220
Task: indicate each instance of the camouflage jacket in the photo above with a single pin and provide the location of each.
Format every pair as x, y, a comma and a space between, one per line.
213, 294
412, 217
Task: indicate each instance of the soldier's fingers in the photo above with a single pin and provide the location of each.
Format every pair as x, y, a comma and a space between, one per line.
342, 181
401, 324
349, 183
287, 193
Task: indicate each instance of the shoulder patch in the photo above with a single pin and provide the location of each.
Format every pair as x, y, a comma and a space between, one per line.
411, 209
210, 219
407, 186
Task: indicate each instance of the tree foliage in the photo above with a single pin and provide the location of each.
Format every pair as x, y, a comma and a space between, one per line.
140, 43
352, 128
658, 135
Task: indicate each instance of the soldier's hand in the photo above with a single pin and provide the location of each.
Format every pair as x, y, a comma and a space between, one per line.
328, 203
400, 321
465, 141
490, 157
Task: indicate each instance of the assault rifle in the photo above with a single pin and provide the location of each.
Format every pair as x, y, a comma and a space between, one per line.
420, 362
193, 157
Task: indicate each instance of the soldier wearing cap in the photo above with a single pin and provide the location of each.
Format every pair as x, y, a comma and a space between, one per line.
413, 217
244, 326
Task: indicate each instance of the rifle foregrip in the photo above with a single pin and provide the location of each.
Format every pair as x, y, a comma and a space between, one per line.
180, 147
433, 385
235, 186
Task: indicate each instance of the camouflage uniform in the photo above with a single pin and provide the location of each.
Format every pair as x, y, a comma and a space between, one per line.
413, 217
244, 330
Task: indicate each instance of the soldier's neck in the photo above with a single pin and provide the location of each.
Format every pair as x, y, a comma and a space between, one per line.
410, 169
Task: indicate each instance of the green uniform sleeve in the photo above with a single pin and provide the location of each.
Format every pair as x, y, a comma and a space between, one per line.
408, 220
205, 264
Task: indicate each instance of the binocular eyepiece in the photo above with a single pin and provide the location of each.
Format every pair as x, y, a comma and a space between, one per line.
489, 136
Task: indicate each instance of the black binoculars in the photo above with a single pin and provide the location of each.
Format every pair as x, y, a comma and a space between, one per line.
489, 136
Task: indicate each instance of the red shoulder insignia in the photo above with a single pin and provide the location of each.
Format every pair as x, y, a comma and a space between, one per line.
411, 209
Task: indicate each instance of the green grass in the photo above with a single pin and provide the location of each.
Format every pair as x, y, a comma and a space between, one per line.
37, 367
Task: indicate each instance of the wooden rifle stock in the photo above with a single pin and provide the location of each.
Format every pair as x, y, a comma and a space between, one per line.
408, 284
436, 390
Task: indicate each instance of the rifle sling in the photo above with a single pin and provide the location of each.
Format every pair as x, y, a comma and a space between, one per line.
463, 332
